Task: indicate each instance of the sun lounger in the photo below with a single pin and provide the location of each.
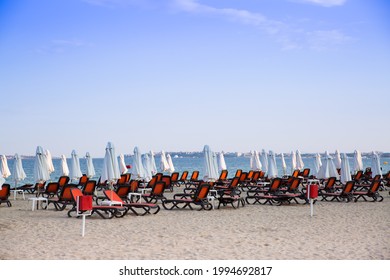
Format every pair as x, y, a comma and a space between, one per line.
4, 194
135, 207
104, 211
372, 192
199, 198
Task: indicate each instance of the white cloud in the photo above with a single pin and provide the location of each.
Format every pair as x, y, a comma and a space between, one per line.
289, 37
325, 3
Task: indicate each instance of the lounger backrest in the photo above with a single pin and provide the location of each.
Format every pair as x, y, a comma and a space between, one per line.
83, 180
52, 188
244, 176
348, 188
238, 173
195, 175
202, 192
275, 184
250, 174
40, 186
123, 191
256, 176
89, 188
262, 174
330, 183
223, 175
152, 182
306, 172
295, 173
374, 186
184, 176
113, 196
5, 191
128, 177
62, 181
174, 177
158, 176
234, 182
75, 192
167, 180
158, 188
295, 184
134, 185
122, 180
358, 175
66, 194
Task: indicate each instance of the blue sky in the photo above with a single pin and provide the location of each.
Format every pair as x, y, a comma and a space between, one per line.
238, 75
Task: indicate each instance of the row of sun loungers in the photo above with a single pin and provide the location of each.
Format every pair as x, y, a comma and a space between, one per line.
142, 198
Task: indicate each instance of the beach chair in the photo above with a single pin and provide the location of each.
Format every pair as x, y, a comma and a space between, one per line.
199, 198
328, 186
62, 200
372, 192
104, 211
183, 178
222, 180
193, 181
4, 194
156, 194
51, 190
135, 207
175, 179
89, 188
290, 193
230, 194
168, 182
82, 181
346, 194
63, 181
268, 194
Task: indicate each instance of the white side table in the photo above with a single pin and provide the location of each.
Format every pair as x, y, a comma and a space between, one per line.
35, 200
18, 191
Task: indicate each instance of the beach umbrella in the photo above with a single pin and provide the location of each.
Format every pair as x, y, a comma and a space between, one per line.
357, 161
284, 166
110, 172
255, 163
146, 162
138, 169
170, 163
337, 159
345, 171
90, 168
153, 166
64, 166
49, 159
272, 169
221, 162
41, 170
376, 165
210, 164
317, 163
18, 171
264, 161
5, 173
293, 161
122, 164
164, 166
300, 164
328, 169
75, 171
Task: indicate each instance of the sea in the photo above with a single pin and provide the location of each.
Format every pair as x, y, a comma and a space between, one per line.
185, 161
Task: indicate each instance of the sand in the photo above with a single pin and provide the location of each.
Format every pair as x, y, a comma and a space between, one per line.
337, 231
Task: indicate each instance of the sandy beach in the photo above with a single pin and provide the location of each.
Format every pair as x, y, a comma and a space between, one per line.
353, 231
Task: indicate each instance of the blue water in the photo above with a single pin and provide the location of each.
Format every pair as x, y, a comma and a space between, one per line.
182, 163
